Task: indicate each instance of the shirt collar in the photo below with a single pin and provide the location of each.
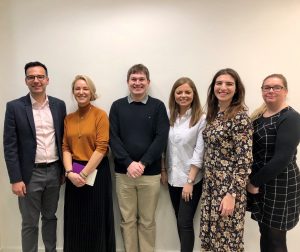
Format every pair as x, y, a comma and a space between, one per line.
144, 101
188, 113
34, 102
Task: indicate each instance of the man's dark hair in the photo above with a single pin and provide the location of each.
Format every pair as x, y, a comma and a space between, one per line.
138, 68
34, 64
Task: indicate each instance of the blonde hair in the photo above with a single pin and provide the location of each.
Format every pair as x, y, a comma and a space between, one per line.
279, 76
258, 112
263, 108
90, 84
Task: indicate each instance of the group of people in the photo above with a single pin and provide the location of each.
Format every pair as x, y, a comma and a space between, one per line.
217, 157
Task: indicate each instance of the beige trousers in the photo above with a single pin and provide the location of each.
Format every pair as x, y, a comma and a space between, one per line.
137, 202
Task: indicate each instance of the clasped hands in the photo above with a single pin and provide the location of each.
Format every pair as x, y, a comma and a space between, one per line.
76, 179
135, 169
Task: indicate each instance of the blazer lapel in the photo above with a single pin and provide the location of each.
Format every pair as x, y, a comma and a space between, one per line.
53, 110
28, 108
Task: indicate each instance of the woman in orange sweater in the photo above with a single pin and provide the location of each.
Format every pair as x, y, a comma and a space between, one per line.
88, 212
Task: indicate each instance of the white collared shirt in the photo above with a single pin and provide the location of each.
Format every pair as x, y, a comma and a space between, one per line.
185, 148
46, 149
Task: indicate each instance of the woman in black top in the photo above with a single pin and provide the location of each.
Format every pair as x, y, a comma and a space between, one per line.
274, 186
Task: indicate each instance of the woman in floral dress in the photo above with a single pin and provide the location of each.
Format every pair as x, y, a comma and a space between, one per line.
227, 163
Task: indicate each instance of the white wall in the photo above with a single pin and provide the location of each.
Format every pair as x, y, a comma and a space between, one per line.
173, 38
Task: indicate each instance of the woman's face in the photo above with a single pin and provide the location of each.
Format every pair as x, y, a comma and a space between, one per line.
184, 96
273, 91
224, 89
82, 93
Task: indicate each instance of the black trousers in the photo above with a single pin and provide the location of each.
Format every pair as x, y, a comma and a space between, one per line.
185, 212
271, 239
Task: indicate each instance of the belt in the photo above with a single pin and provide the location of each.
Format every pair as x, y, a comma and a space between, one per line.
45, 165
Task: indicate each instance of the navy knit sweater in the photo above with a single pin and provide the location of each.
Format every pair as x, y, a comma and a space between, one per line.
138, 132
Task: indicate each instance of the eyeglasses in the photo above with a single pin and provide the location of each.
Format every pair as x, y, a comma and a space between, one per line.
32, 77
274, 88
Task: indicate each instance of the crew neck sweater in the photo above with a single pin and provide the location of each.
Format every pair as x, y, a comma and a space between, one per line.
138, 132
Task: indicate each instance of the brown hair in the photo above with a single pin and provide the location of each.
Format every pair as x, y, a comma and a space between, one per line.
138, 68
90, 84
195, 106
238, 100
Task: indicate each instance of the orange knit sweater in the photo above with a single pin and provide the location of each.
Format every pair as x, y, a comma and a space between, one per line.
86, 130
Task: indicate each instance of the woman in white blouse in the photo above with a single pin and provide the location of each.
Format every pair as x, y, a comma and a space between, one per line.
183, 161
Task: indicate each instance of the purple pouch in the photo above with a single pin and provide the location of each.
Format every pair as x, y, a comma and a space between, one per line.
77, 168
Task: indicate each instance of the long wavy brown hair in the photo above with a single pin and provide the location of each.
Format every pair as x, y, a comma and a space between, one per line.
238, 100
196, 109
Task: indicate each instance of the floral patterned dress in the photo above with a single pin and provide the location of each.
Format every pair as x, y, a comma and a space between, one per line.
227, 164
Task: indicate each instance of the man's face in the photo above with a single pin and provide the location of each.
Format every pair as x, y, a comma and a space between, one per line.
36, 80
138, 84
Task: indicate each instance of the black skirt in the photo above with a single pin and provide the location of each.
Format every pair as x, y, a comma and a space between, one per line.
88, 214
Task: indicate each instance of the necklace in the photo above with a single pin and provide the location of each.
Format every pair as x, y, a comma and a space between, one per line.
81, 118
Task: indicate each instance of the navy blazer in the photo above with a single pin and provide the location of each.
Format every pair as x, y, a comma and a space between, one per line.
19, 136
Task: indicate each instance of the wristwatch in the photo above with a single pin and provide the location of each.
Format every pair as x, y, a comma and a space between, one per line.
190, 181
67, 173
233, 195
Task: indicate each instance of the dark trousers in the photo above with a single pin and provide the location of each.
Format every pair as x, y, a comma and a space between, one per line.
41, 199
272, 240
185, 212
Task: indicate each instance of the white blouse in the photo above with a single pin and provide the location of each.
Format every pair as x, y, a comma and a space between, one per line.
185, 148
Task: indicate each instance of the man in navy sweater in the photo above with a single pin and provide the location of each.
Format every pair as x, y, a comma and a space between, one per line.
139, 128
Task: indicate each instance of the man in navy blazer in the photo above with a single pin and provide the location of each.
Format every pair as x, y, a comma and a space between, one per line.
32, 139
